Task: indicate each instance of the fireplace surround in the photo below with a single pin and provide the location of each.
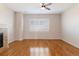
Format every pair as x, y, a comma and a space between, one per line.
3, 39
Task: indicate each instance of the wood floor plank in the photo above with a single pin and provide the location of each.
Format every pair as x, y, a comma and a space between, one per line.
56, 48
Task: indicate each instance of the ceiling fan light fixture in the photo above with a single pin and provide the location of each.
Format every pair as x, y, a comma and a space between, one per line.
42, 8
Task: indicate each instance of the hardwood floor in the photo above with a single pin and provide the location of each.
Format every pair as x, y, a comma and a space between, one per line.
55, 47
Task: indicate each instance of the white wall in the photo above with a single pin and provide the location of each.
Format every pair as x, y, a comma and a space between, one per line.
70, 25
7, 20
54, 27
18, 26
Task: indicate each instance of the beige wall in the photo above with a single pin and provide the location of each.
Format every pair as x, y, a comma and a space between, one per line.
54, 27
7, 21
70, 25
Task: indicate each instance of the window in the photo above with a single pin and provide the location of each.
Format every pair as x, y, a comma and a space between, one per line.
39, 25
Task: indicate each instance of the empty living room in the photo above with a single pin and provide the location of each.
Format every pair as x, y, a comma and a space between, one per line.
39, 29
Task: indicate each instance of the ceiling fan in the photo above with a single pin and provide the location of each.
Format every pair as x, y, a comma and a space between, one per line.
45, 6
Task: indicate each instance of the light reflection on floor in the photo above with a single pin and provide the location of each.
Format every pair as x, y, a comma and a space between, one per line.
36, 51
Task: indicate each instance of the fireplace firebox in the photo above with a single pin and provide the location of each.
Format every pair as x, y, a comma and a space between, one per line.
1, 40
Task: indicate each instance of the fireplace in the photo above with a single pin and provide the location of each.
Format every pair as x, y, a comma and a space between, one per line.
1, 40
3, 37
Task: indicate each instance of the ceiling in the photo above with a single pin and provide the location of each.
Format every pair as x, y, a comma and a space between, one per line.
35, 8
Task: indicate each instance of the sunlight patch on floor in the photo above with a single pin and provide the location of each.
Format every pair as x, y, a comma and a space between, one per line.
39, 51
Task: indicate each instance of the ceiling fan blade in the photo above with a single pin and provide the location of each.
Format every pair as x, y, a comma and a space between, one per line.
43, 3
47, 8
47, 4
